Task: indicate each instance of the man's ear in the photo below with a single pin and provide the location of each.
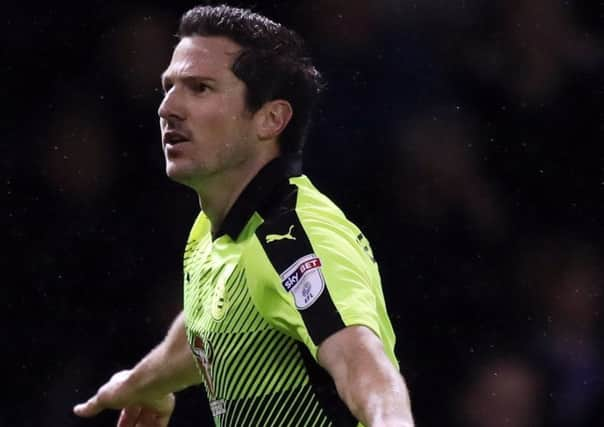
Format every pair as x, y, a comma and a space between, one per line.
272, 118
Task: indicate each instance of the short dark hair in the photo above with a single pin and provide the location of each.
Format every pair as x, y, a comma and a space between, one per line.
274, 63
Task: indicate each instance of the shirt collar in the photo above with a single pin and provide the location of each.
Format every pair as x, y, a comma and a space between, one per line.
257, 192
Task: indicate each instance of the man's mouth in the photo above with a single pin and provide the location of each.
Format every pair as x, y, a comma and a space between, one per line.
173, 138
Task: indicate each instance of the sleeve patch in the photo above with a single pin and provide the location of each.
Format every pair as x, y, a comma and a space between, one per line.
304, 280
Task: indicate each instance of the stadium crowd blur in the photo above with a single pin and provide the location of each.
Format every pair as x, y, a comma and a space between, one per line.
465, 137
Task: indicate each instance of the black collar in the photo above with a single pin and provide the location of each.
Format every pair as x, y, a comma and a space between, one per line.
256, 192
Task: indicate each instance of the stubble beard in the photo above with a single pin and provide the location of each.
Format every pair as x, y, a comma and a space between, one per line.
197, 174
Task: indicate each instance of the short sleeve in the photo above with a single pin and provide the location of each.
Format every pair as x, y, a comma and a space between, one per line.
310, 277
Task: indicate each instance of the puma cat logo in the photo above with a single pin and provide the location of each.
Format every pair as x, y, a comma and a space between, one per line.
272, 237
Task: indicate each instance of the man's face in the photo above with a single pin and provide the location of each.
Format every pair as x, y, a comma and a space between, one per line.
206, 128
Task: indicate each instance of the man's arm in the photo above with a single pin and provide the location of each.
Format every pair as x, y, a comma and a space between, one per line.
365, 378
144, 393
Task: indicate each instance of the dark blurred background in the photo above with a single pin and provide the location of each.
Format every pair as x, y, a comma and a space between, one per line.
464, 137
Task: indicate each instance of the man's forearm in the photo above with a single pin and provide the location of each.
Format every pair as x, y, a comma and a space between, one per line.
381, 399
169, 367
365, 378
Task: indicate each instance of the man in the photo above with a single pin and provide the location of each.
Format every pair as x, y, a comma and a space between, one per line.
283, 311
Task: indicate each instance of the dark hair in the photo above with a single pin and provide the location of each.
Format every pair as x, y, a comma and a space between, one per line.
273, 63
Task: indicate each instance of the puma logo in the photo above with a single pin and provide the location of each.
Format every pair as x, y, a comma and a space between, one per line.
272, 237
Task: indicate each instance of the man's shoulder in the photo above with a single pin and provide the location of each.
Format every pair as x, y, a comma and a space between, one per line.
312, 199
299, 205
298, 194
303, 220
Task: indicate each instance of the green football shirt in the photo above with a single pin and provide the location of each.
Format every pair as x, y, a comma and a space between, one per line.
285, 271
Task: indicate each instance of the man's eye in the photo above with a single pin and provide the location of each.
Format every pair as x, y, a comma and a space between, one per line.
201, 87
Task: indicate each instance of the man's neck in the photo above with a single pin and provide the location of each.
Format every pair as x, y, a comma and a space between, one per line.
218, 194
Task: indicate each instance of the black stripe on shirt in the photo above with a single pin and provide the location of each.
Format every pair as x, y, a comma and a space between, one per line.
321, 317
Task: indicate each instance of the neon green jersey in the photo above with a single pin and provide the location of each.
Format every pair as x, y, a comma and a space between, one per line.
286, 270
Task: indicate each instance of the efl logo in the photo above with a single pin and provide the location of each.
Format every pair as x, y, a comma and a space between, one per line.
294, 274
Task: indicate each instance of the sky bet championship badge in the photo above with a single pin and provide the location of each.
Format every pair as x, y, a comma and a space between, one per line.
304, 280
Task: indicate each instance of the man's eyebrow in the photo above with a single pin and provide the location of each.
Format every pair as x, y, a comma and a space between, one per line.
187, 77
196, 78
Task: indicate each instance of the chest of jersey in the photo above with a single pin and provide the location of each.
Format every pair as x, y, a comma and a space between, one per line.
240, 356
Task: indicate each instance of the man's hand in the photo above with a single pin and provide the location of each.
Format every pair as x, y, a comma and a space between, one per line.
138, 409
145, 393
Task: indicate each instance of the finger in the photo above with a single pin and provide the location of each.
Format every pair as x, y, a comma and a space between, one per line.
163, 420
150, 418
129, 416
88, 409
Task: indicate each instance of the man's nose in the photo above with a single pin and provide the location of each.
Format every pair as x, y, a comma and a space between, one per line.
170, 107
